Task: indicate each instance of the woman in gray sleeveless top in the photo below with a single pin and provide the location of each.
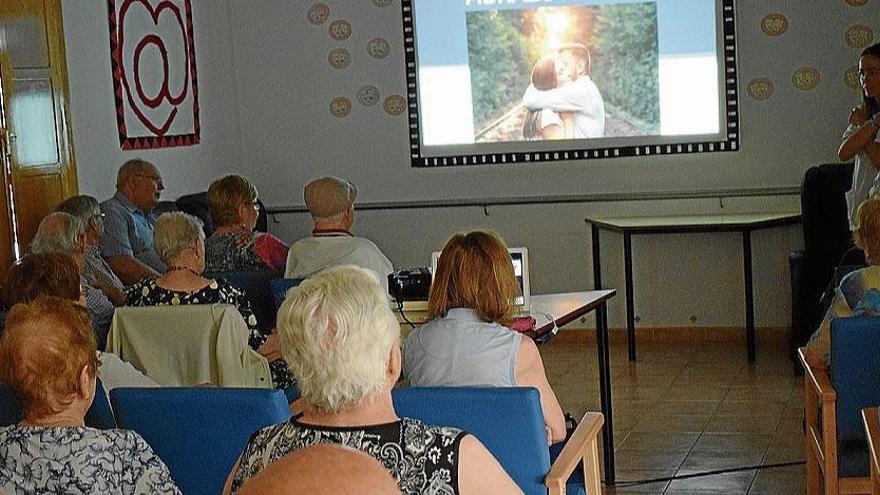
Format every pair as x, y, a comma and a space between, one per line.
468, 342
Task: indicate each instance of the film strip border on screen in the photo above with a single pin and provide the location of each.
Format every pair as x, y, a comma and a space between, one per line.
731, 109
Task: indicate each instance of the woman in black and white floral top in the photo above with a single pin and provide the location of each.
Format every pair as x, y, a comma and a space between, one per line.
48, 359
343, 343
180, 242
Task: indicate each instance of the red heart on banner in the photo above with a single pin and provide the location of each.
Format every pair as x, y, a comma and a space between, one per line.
154, 39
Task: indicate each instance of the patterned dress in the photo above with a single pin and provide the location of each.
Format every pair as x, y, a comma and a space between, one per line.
244, 252
147, 293
79, 460
422, 458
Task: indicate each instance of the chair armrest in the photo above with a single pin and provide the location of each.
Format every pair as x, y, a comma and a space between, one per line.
582, 444
872, 431
818, 378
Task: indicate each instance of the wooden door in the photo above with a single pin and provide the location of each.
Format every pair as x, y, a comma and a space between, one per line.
39, 168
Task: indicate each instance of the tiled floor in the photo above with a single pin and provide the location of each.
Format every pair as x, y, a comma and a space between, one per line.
688, 408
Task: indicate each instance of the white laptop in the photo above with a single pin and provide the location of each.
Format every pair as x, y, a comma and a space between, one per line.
519, 256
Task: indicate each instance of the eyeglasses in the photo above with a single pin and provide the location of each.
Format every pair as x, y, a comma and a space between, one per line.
158, 180
870, 72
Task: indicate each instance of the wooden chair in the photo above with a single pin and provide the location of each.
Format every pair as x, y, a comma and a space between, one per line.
872, 430
835, 446
509, 422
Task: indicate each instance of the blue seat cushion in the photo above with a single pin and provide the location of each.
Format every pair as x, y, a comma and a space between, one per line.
853, 460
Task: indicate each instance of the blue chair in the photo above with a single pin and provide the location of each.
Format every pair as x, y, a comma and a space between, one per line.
837, 454
509, 422
256, 287
280, 286
199, 432
98, 416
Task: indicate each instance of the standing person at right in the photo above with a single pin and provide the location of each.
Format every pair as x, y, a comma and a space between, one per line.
860, 137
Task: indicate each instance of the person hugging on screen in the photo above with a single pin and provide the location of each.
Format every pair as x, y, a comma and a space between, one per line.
468, 342
545, 123
579, 96
859, 292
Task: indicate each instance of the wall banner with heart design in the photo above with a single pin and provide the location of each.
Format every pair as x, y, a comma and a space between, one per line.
153, 59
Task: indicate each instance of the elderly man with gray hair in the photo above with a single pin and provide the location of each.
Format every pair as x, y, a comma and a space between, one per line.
95, 270
60, 232
331, 203
128, 239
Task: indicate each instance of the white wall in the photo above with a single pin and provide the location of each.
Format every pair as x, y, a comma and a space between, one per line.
265, 89
96, 141
284, 95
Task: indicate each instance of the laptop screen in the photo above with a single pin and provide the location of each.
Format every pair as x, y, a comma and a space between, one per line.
519, 257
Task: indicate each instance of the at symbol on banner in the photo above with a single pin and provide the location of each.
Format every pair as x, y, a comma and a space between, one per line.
164, 93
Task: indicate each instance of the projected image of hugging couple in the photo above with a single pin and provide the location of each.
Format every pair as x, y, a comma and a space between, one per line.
562, 99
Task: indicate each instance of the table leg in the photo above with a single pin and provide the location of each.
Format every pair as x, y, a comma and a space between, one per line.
630, 306
605, 391
597, 258
750, 302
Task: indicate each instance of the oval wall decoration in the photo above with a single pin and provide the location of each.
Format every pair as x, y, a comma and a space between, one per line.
318, 13
339, 58
378, 48
857, 3
368, 95
340, 107
774, 24
340, 30
859, 36
805, 78
760, 88
851, 77
394, 105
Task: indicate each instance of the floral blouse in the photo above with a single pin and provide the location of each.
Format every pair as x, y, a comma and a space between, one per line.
857, 295
244, 251
148, 293
422, 458
79, 460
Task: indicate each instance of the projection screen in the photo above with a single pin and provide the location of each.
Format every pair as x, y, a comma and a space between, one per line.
518, 81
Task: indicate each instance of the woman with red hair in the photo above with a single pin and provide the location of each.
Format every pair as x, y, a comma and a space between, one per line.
48, 359
468, 342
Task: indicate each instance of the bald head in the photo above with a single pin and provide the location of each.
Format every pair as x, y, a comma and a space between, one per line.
306, 471
329, 197
58, 232
140, 182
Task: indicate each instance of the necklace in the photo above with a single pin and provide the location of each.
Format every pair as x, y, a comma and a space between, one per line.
182, 269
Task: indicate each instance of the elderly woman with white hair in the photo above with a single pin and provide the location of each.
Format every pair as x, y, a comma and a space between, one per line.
94, 268
343, 343
180, 242
63, 233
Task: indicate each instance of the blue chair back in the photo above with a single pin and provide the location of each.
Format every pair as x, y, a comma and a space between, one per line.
855, 374
280, 286
199, 432
256, 287
508, 421
98, 416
